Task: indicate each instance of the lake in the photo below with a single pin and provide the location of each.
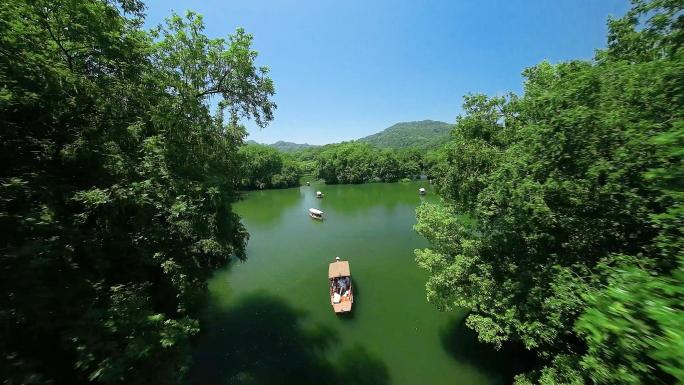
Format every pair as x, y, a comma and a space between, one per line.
269, 319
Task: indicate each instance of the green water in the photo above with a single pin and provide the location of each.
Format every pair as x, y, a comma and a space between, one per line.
269, 320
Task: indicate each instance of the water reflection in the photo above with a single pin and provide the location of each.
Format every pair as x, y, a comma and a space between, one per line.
462, 343
349, 199
268, 207
263, 340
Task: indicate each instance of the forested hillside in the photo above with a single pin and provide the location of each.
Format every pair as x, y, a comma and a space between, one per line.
561, 227
425, 134
116, 186
422, 135
290, 146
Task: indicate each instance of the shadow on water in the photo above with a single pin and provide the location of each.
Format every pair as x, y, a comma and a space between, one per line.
462, 343
349, 317
262, 340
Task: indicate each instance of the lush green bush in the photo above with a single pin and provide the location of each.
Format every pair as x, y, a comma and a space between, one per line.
266, 167
115, 187
357, 162
574, 191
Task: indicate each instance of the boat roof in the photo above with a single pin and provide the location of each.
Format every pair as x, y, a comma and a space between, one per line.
318, 192
315, 211
421, 189
339, 269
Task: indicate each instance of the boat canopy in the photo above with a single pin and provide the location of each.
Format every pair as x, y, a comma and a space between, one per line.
421, 189
338, 269
315, 211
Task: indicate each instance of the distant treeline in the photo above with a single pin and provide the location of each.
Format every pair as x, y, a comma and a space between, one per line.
357, 162
266, 167
349, 162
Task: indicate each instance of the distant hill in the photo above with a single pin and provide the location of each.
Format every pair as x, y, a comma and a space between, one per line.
285, 146
290, 146
422, 134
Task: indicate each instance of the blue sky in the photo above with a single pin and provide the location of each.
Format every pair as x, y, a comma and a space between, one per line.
345, 69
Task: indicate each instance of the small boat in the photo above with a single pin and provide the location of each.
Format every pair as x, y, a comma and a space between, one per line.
421, 191
319, 194
308, 183
316, 214
341, 292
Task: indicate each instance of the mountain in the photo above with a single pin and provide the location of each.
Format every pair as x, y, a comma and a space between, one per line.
290, 146
422, 134
284, 146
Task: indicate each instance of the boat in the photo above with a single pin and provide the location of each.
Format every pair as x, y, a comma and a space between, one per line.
421, 191
308, 183
340, 284
316, 214
319, 194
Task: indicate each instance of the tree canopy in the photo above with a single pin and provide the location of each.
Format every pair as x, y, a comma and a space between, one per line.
266, 167
562, 215
116, 186
357, 162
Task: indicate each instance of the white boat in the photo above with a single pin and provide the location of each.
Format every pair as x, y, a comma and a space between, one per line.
316, 213
421, 191
319, 194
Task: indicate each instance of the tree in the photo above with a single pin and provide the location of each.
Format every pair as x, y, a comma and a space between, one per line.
554, 213
266, 167
116, 186
358, 162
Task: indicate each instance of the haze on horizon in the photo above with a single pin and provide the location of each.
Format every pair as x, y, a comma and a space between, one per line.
347, 69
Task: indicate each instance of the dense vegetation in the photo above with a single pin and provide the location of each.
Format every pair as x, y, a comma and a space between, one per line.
115, 187
560, 227
265, 167
422, 135
356, 162
402, 151
571, 243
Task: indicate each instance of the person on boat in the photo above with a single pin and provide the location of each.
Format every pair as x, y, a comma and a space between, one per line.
347, 284
342, 282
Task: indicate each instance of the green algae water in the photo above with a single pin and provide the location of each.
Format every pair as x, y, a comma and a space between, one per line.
269, 319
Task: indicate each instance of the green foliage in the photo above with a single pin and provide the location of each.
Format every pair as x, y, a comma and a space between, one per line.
116, 186
634, 328
572, 241
266, 167
356, 162
421, 135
